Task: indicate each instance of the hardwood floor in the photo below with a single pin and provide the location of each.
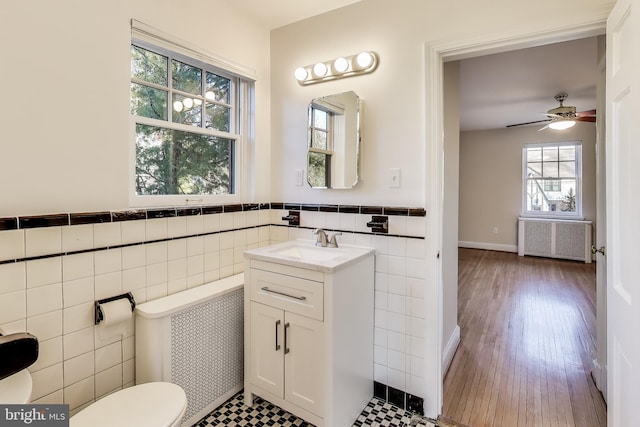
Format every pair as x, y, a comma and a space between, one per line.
527, 338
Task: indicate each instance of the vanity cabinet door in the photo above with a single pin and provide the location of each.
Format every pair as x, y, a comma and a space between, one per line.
267, 362
304, 363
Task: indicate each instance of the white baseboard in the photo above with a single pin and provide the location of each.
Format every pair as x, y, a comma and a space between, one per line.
488, 246
450, 350
599, 374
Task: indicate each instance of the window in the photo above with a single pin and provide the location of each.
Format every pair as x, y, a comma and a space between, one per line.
189, 124
552, 174
320, 147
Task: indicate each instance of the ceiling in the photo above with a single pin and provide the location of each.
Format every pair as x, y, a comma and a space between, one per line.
277, 13
518, 86
495, 90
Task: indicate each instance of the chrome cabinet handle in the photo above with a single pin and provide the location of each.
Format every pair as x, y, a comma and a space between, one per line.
277, 324
266, 289
286, 349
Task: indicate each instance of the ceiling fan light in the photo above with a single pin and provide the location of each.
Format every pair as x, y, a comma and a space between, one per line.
562, 124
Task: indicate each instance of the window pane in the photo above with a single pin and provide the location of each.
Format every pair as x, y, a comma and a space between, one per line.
186, 78
567, 153
534, 154
148, 66
567, 169
317, 174
319, 139
148, 102
534, 170
186, 111
320, 119
177, 162
568, 196
551, 195
550, 169
550, 154
217, 88
218, 117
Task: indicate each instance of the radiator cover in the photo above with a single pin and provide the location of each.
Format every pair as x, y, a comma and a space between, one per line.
194, 338
555, 238
207, 347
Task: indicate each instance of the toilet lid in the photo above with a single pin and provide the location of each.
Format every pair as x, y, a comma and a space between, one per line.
16, 388
157, 404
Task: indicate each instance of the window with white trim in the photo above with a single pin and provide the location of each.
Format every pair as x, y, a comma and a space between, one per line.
552, 179
190, 119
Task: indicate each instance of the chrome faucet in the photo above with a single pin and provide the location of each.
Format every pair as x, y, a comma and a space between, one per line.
322, 237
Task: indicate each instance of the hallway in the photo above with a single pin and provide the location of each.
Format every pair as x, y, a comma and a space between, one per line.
527, 337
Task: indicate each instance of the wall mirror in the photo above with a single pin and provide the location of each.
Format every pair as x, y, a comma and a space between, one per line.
334, 141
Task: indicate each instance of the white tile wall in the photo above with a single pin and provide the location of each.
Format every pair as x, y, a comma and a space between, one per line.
53, 297
12, 244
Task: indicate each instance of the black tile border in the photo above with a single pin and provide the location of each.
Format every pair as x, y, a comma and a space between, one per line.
82, 218
38, 221
8, 224
399, 398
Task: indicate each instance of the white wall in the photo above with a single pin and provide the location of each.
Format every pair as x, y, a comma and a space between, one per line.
491, 181
450, 330
65, 142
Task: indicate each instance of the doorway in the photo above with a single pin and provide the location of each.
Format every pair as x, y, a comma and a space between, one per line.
436, 54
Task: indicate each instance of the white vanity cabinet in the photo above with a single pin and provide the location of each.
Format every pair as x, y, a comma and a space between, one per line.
309, 336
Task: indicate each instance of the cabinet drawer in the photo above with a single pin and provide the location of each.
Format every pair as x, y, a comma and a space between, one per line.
301, 296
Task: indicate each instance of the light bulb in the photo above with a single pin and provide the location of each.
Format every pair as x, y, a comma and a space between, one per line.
320, 69
562, 124
364, 59
209, 95
187, 102
301, 74
341, 65
177, 105
197, 101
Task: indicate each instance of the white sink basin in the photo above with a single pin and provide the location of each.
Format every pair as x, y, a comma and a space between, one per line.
304, 253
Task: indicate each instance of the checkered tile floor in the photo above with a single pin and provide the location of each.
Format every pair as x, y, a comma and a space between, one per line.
234, 413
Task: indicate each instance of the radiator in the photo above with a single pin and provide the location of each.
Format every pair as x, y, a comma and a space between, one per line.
555, 238
194, 339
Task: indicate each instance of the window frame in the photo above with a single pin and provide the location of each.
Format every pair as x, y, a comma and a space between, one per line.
329, 151
241, 127
577, 215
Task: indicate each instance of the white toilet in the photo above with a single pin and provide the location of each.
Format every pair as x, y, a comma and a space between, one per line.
159, 404
156, 404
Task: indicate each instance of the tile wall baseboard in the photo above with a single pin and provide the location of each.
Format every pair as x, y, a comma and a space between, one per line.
399, 398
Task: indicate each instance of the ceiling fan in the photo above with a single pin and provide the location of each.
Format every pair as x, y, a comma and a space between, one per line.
562, 117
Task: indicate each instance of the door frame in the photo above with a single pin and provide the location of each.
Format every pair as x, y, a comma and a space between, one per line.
435, 54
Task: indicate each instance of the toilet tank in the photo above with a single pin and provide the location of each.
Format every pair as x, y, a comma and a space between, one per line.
194, 339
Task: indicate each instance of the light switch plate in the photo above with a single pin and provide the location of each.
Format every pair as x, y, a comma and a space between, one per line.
394, 177
299, 177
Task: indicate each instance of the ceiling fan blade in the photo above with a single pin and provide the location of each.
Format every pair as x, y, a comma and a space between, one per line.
528, 123
586, 113
586, 119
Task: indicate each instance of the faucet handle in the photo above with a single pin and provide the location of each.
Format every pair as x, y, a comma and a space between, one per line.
333, 243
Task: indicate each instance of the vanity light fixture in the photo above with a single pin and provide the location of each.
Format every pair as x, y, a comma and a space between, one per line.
347, 66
